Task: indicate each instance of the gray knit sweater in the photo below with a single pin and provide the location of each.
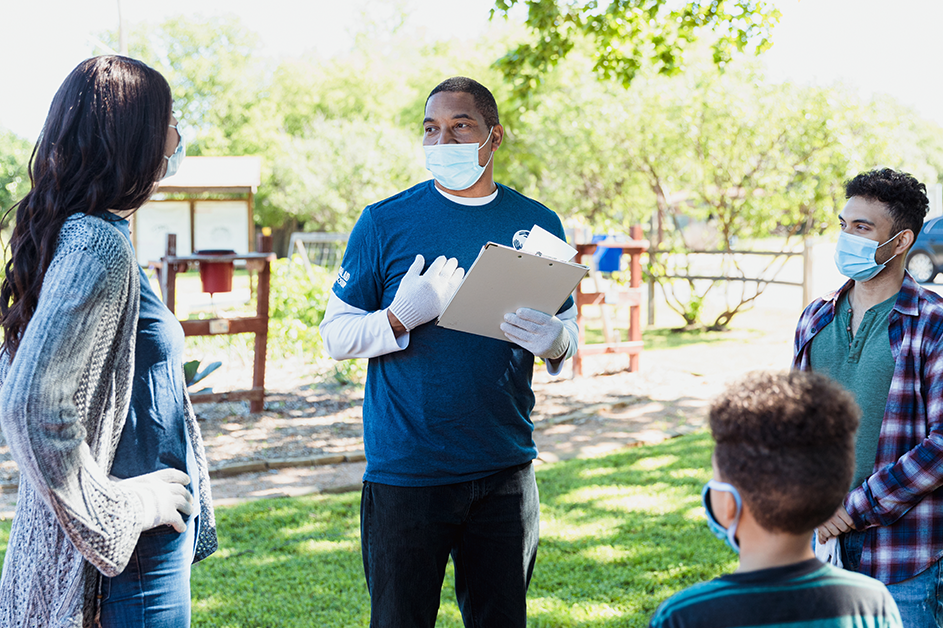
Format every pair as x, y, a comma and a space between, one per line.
63, 402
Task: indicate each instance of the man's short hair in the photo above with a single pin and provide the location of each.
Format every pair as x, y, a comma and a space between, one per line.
905, 197
786, 441
484, 100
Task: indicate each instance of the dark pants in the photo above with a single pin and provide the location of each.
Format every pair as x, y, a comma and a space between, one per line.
490, 528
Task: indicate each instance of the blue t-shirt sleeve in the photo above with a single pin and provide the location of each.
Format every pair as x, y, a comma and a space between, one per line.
566, 304
358, 280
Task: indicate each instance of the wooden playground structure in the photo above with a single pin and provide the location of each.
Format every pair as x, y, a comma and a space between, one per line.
631, 296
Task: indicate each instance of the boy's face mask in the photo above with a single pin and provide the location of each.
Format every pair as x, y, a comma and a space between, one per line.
724, 534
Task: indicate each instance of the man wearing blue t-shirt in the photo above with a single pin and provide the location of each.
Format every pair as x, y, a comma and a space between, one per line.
447, 428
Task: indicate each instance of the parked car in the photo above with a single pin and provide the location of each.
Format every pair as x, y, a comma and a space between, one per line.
925, 259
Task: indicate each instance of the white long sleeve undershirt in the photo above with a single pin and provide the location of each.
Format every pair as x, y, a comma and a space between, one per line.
350, 332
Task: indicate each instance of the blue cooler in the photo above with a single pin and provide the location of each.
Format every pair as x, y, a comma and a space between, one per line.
607, 260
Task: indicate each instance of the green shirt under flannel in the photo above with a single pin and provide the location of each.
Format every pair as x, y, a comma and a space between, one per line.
865, 366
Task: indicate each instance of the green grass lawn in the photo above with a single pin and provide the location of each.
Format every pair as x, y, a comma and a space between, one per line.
619, 534
667, 338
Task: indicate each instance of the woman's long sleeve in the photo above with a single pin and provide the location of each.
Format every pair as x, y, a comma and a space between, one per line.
52, 383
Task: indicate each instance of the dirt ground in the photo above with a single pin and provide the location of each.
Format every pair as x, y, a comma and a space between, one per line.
606, 409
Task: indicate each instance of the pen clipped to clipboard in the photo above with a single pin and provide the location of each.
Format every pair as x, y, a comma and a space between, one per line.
503, 279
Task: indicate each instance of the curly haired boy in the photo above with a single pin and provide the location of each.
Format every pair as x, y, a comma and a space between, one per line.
783, 460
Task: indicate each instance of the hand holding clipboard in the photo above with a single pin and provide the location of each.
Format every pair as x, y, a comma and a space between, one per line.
503, 279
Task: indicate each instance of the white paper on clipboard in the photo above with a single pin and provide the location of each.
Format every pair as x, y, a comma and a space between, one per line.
502, 280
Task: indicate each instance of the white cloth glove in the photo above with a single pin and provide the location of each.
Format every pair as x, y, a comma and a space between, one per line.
421, 298
541, 334
164, 497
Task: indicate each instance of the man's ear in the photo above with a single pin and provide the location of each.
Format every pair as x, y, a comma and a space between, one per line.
498, 134
904, 241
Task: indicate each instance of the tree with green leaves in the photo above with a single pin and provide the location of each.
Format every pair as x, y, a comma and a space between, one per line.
14, 161
218, 82
630, 35
717, 147
338, 167
222, 94
718, 159
766, 159
334, 134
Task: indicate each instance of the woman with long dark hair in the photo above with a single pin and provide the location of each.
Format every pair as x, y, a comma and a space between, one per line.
114, 500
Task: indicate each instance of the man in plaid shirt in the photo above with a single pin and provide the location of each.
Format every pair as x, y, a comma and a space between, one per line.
880, 336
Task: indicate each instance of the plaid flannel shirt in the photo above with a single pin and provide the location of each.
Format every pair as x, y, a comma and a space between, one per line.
901, 504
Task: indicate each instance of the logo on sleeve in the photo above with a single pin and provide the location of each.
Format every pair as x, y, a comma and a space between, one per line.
342, 277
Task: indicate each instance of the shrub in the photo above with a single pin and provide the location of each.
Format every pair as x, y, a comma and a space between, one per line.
298, 298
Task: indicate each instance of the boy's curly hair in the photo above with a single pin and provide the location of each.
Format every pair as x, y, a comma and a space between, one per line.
787, 442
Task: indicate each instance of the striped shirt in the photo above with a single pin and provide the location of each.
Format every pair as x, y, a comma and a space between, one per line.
901, 504
808, 594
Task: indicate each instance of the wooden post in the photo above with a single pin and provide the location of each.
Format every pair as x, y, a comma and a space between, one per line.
168, 276
263, 245
806, 271
631, 296
650, 320
171, 265
635, 273
250, 207
577, 359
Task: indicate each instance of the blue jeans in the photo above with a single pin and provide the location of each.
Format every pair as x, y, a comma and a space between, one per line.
490, 528
852, 544
918, 599
153, 591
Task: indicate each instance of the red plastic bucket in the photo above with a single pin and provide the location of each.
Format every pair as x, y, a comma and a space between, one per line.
216, 276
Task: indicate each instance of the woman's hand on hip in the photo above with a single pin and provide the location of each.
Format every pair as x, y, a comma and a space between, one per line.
164, 497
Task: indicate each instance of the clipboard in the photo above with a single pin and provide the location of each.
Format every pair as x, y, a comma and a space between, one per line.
504, 279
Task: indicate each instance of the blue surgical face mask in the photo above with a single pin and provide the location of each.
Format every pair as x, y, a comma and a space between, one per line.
724, 534
174, 161
455, 166
854, 256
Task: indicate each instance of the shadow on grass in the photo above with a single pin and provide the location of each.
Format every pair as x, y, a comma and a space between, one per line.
619, 534
284, 562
